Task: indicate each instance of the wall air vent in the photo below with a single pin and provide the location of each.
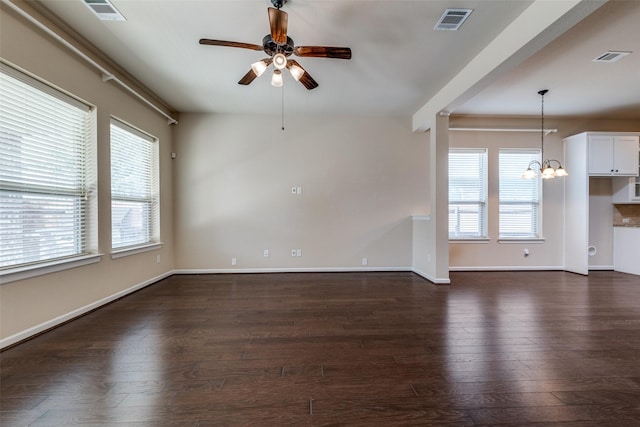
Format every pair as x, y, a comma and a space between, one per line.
104, 10
452, 19
611, 56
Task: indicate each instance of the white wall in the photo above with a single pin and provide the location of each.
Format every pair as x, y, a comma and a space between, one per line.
31, 305
361, 177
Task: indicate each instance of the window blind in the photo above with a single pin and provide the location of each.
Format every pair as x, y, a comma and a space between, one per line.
519, 198
134, 187
467, 193
44, 141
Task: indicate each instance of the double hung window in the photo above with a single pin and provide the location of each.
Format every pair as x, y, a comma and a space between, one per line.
47, 167
467, 193
134, 187
520, 199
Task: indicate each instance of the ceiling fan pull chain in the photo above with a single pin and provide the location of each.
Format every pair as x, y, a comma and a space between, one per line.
282, 113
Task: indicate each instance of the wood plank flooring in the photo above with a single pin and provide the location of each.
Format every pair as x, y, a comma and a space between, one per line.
494, 348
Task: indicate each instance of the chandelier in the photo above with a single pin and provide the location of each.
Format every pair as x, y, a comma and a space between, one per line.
546, 168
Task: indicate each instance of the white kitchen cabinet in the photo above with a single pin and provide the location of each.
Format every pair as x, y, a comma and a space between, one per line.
583, 154
611, 155
626, 190
626, 249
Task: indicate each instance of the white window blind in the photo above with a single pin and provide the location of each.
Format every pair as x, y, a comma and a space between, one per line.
519, 198
44, 170
467, 193
134, 187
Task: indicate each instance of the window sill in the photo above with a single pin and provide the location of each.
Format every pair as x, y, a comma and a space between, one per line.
522, 240
133, 250
470, 240
26, 272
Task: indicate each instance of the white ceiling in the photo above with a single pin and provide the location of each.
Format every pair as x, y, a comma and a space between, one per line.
399, 60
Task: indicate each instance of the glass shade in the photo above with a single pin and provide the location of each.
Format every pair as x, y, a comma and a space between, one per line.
529, 174
561, 172
296, 72
548, 173
279, 61
259, 67
276, 79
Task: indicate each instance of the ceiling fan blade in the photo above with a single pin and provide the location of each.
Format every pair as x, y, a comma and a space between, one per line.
231, 44
278, 21
323, 52
306, 79
248, 78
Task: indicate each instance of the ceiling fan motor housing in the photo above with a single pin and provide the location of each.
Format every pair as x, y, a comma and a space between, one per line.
278, 3
271, 47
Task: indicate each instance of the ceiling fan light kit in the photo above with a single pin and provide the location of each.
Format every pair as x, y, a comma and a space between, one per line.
279, 46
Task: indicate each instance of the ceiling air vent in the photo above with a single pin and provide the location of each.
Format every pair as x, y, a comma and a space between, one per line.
452, 19
104, 10
611, 56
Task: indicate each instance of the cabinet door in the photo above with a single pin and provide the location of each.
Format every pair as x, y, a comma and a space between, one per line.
625, 154
601, 155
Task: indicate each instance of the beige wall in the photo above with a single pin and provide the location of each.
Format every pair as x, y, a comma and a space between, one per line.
361, 177
29, 304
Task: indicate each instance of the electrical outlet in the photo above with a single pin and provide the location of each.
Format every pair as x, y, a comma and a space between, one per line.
234, 261
365, 261
298, 252
266, 253
299, 190
157, 259
626, 220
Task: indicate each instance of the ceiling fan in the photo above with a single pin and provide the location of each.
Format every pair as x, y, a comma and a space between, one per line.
279, 46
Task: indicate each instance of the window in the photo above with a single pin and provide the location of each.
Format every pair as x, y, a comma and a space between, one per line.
134, 187
519, 198
46, 171
467, 193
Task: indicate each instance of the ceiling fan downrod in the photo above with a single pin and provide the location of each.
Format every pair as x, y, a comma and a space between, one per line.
278, 3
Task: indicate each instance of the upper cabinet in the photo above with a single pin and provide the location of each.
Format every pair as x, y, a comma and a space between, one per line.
611, 155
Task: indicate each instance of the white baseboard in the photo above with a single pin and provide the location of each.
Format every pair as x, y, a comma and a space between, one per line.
508, 268
291, 270
430, 278
601, 267
441, 281
20, 336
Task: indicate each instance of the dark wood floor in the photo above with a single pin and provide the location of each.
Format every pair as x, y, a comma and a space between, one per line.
353, 349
